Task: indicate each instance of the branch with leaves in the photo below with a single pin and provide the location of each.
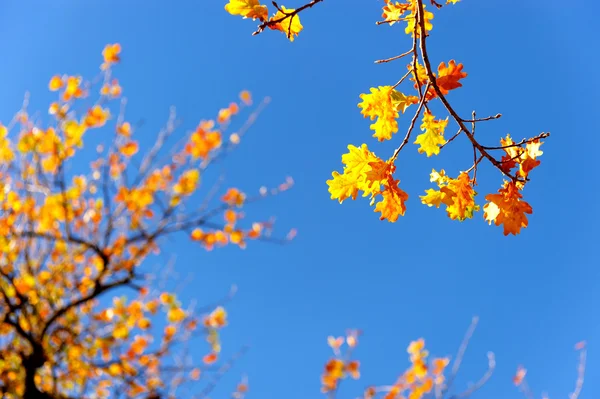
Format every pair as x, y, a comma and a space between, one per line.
424, 378
286, 20
69, 239
375, 177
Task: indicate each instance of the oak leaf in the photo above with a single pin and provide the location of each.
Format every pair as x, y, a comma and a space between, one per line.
393, 203
508, 209
449, 76
393, 11
379, 104
433, 138
457, 194
247, 9
288, 22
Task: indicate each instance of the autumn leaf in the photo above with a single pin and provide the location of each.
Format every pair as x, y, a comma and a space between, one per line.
393, 11
56, 83
393, 203
433, 138
433, 198
343, 186
449, 76
246, 97
457, 194
363, 171
111, 55
96, 116
24, 283
247, 9
176, 315
379, 104
401, 101
287, 22
462, 194
129, 149
412, 17
507, 208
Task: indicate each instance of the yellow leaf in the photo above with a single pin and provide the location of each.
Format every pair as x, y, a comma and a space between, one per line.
342, 187
56, 83
188, 182
24, 283
402, 101
363, 171
175, 315
247, 9
129, 149
433, 138
289, 23
378, 104
120, 331
432, 198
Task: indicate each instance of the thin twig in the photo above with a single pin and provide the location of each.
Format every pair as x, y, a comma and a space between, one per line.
411, 127
292, 14
482, 380
520, 143
461, 352
397, 57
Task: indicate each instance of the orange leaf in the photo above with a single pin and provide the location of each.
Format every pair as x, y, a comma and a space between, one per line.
210, 358
129, 149
448, 77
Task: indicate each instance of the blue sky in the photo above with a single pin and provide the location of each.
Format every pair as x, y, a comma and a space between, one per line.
536, 294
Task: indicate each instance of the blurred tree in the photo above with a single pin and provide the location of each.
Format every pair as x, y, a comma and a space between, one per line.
70, 239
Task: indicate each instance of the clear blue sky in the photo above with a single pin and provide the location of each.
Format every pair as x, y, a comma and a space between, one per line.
536, 294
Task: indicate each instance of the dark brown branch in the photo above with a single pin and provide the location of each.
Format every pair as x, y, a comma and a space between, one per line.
411, 127
520, 143
397, 57
292, 14
432, 79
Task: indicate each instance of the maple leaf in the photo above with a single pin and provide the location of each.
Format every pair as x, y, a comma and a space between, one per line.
452, 1
379, 104
290, 25
393, 203
507, 208
433, 138
247, 9
449, 76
